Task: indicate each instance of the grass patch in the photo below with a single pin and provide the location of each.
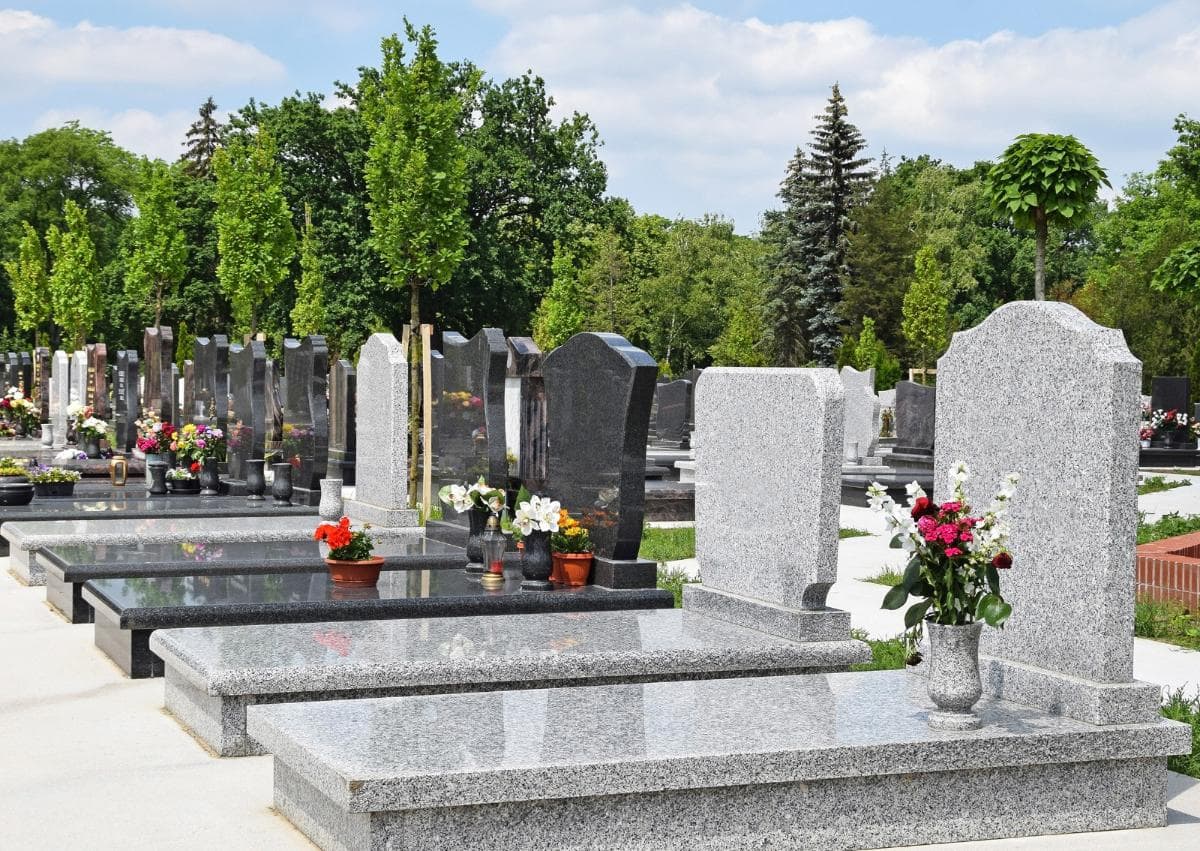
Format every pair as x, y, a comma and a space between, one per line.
886, 576
1178, 707
1166, 621
843, 534
668, 544
887, 654
1157, 484
1167, 526
673, 580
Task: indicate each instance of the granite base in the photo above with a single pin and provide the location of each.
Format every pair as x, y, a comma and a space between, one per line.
793, 624
23, 566
624, 573
378, 516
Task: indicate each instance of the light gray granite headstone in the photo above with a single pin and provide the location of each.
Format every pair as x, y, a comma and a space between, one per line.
60, 396
766, 519
1069, 642
79, 367
861, 432
381, 423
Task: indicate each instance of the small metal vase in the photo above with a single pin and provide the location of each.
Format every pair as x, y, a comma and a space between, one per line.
954, 684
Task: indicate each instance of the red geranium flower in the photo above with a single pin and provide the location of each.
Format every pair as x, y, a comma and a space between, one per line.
922, 507
1002, 561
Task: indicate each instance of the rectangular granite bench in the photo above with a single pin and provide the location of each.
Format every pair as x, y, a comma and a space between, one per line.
128, 610
68, 568
814, 762
214, 674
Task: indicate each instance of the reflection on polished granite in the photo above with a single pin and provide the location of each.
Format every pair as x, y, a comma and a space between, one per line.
136, 504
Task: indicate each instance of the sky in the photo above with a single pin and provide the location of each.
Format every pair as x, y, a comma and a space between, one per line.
700, 104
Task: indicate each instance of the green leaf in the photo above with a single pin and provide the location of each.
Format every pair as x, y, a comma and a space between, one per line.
993, 579
916, 612
1030, 199
912, 573
895, 543
895, 598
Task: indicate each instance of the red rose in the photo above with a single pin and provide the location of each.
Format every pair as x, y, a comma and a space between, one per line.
195, 468
922, 507
1002, 561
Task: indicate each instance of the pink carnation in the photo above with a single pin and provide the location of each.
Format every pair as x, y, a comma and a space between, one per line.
951, 552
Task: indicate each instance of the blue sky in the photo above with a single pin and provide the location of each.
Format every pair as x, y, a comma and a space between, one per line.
700, 104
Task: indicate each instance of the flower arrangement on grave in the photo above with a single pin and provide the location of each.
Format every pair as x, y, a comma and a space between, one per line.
461, 399
40, 474
12, 470
154, 435
479, 495
571, 549
19, 411
537, 519
91, 427
198, 442
350, 560
183, 474
7, 429
1172, 421
953, 571
293, 442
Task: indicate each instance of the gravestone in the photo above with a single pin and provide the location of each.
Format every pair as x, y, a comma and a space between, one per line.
212, 377
79, 376
916, 409
525, 363
512, 418
191, 411
381, 421
769, 563
305, 443
159, 393
598, 393
671, 424
26, 374
692, 375
861, 418
273, 400
60, 396
127, 405
97, 379
1047, 368
342, 438
41, 382
470, 411
11, 370
1170, 393
247, 427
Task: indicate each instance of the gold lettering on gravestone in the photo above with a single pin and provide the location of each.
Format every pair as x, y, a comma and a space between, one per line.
91, 385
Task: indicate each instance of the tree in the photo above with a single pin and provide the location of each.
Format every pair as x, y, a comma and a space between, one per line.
204, 137
1043, 179
308, 316
74, 281
869, 352
560, 315
926, 310
29, 280
157, 247
416, 180
255, 239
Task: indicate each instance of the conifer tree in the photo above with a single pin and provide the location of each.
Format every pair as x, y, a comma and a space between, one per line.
204, 137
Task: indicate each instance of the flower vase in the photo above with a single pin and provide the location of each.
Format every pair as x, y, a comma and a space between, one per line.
256, 480
281, 487
91, 447
477, 518
151, 459
954, 684
210, 479
47, 434
157, 471
537, 564
1145, 444
330, 507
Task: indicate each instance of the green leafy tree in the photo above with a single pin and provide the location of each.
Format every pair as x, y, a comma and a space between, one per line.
416, 179
1043, 179
28, 277
308, 316
157, 248
560, 315
869, 352
255, 239
74, 279
204, 138
926, 311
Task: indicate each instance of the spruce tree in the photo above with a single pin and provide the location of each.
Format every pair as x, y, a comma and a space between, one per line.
204, 137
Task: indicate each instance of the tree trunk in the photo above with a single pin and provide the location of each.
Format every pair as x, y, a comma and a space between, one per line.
414, 391
1039, 268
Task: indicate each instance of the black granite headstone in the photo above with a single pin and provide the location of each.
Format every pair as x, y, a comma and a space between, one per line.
305, 443
470, 410
1170, 393
674, 400
212, 377
525, 363
692, 375
916, 405
12, 370
599, 388
158, 348
273, 400
191, 411
247, 427
41, 382
26, 374
343, 387
127, 403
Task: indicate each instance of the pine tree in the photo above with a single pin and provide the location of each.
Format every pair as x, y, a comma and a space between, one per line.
204, 137
807, 269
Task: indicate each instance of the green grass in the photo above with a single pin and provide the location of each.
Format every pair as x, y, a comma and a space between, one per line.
886, 576
668, 544
1168, 622
1177, 707
1157, 484
1167, 526
843, 534
673, 580
887, 654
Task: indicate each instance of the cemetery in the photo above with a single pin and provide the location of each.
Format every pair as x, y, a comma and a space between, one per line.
374, 477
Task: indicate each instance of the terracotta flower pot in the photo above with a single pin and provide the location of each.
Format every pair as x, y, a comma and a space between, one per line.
355, 574
574, 568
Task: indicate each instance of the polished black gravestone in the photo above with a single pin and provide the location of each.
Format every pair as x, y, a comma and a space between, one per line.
916, 405
273, 394
1170, 393
41, 382
25, 374
158, 349
525, 363
599, 388
69, 567
128, 610
247, 428
305, 443
12, 370
671, 424
127, 403
343, 399
212, 377
692, 375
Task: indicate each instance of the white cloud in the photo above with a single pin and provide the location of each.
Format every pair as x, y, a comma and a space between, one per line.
36, 50
137, 130
700, 112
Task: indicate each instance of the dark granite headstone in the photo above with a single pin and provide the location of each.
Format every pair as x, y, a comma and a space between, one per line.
12, 370
247, 427
305, 442
273, 387
212, 377
26, 374
692, 375
674, 400
41, 381
97, 379
127, 403
599, 388
173, 397
1170, 392
191, 412
525, 363
470, 411
915, 409
343, 386
158, 349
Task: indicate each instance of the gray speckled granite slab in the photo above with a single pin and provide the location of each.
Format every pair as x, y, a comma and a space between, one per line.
214, 674
816, 761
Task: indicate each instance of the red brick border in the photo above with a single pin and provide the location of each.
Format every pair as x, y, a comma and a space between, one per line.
1170, 570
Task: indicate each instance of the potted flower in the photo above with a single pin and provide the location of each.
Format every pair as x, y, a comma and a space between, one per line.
953, 571
200, 446
1146, 435
349, 560
20, 412
90, 430
479, 501
184, 480
572, 551
15, 488
53, 481
536, 520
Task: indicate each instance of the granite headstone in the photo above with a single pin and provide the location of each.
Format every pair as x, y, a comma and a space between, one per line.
79, 377
671, 424
60, 396
247, 428
343, 383
470, 412
25, 376
1170, 393
525, 363
127, 406
273, 388
916, 409
305, 432
862, 412
97, 379
212, 377
41, 382
158, 349
191, 410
